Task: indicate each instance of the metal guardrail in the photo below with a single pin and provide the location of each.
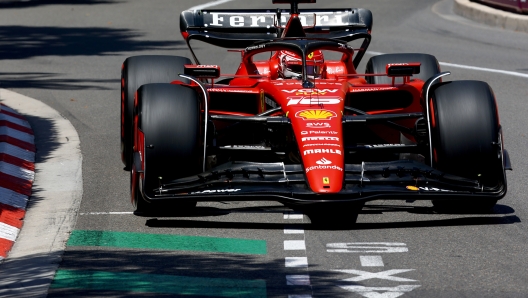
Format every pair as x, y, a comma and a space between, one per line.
518, 6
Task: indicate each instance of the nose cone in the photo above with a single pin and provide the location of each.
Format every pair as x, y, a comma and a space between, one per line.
319, 137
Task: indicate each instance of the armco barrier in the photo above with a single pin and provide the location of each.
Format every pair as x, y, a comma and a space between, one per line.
17, 172
519, 6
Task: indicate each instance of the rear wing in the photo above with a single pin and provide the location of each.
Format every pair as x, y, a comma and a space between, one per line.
241, 28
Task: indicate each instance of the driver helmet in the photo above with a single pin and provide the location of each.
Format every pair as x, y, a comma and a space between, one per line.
290, 64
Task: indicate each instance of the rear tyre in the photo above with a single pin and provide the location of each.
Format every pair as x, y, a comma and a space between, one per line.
377, 64
169, 116
465, 138
137, 71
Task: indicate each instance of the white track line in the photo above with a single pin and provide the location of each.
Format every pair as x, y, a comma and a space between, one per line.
293, 231
296, 262
298, 280
510, 73
292, 215
106, 213
209, 4
294, 245
371, 261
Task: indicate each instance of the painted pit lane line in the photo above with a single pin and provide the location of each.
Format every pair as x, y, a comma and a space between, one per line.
504, 72
296, 264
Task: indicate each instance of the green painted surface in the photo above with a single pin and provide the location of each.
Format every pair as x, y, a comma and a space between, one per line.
155, 283
166, 242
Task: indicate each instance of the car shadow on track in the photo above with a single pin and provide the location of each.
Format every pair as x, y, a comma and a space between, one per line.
7, 4
500, 215
25, 42
135, 273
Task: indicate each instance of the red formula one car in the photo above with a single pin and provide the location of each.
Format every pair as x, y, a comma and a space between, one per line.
303, 129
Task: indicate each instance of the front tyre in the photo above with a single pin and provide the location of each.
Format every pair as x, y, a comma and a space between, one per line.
169, 117
465, 136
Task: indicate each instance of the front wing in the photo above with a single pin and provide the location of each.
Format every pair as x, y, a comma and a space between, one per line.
248, 181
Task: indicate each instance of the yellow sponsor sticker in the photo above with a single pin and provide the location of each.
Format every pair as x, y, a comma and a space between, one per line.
310, 56
413, 188
315, 114
326, 180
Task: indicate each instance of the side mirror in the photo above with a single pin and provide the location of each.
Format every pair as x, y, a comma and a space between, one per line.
402, 69
202, 71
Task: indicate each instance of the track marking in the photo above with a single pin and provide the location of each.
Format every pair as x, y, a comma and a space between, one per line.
371, 261
367, 247
107, 213
505, 72
293, 215
386, 275
298, 280
209, 4
293, 230
294, 245
167, 242
158, 284
373, 292
296, 262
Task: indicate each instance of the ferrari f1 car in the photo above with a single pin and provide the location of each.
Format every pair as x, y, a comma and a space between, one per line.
301, 129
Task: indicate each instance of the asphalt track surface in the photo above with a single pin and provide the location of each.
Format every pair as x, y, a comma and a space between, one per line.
68, 54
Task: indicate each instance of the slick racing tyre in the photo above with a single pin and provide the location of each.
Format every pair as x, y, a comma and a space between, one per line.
137, 71
377, 64
465, 138
169, 117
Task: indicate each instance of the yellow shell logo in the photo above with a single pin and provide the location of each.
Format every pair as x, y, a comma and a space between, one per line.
310, 56
315, 114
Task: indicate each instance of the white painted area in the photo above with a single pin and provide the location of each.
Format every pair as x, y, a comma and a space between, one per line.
209, 4
49, 221
367, 247
294, 245
17, 152
14, 120
107, 213
293, 215
380, 292
17, 134
371, 261
293, 231
492, 70
8, 232
298, 280
510, 73
16, 171
13, 198
385, 275
296, 262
